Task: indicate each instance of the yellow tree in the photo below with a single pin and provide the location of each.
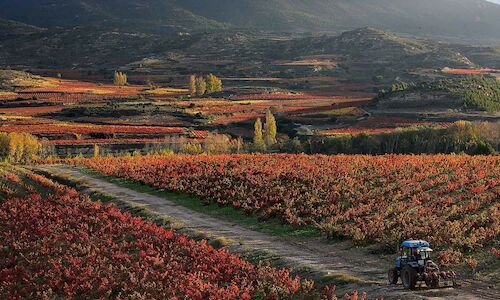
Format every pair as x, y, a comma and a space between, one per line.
97, 151
218, 85
120, 78
201, 86
270, 129
18, 147
210, 83
214, 84
258, 141
192, 85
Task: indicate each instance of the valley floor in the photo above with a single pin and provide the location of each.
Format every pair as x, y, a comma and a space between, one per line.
351, 268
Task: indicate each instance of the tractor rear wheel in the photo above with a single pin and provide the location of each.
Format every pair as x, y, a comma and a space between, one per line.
409, 277
392, 276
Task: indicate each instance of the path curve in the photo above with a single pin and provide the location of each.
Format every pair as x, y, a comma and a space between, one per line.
314, 255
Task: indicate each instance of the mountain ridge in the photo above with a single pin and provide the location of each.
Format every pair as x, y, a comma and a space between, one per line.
454, 18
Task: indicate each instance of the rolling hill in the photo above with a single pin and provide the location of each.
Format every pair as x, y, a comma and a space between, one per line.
452, 18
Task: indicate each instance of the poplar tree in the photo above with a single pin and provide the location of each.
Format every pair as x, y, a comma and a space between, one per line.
97, 151
218, 84
214, 84
192, 85
120, 78
258, 141
201, 86
270, 129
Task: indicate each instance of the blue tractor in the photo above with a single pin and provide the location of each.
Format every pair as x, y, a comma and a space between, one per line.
414, 265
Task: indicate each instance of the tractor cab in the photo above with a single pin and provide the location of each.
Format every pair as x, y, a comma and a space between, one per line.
414, 264
413, 253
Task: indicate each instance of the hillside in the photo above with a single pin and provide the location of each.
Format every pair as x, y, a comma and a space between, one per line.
150, 15
9, 28
368, 52
452, 18
444, 17
361, 54
472, 93
11, 80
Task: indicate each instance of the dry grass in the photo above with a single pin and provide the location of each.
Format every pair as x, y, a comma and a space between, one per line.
16, 79
165, 91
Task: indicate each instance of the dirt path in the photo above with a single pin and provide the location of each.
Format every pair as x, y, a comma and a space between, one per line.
317, 257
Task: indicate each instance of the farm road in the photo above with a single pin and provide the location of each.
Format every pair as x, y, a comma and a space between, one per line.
317, 257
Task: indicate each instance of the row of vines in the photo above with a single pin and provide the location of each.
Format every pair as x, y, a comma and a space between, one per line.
58, 244
450, 200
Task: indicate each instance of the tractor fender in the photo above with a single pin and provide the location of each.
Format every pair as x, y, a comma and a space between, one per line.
398, 262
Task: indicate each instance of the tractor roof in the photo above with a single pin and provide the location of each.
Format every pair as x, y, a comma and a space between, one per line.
415, 244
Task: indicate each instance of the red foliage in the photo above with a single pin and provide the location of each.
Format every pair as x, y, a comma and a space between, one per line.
274, 96
355, 131
69, 247
104, 141
60, 128
30, 111
470, 71
199, 134
450, 200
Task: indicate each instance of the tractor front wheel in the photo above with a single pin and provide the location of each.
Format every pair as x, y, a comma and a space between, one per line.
409, 277
392, 276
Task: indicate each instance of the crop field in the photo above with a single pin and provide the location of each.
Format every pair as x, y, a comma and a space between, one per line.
101, 113
369, 199
57, 243
470, 71
254, 150
58, 128
30, 111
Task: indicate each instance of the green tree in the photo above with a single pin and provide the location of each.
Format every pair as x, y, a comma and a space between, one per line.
270, 129
258, 141
201, 86
192, 85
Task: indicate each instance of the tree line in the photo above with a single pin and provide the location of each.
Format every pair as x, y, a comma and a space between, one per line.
461, 137
18, 147
264, 139
120, 79
200, 86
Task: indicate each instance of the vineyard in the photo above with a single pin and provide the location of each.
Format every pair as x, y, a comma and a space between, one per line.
450, 200
83, 245
66, 246
61, 128
253, 150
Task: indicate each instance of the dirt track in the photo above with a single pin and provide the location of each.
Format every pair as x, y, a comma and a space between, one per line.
317, 257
